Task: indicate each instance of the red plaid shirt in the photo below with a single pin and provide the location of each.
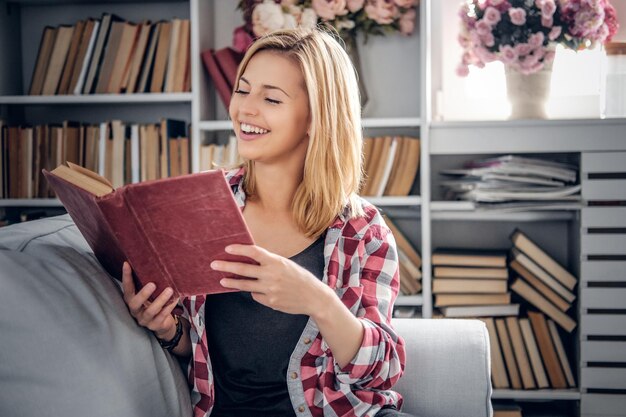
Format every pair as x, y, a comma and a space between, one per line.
361, 264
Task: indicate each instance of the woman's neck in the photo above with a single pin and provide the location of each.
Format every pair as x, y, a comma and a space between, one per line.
275, 187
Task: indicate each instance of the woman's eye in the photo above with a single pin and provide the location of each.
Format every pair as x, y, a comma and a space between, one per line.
241, 92
269, 100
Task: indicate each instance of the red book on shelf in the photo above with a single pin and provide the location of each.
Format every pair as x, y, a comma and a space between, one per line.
169, 230
224, 89
228, 59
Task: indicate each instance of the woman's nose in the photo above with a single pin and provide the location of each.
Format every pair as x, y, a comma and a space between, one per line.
248, 105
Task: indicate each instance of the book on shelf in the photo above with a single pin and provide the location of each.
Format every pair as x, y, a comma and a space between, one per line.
57, 59
80, 63
43, 58
519, 351
507, 352
97, 55
449, 300
222, 87
68, 68
531, 295
469, 257
542, 275
560, 350
522, 242
469, 286
470, 272
169, 230
390, 165
403, 243
547, 349
534, 355
540, 286
228, 60
499, 377
496, 310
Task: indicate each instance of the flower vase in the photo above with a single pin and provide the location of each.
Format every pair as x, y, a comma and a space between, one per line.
528, 93
352, 49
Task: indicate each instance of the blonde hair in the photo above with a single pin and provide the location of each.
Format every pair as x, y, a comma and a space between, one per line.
333, 163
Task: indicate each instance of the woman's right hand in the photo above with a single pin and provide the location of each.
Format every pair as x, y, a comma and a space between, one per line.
156, 315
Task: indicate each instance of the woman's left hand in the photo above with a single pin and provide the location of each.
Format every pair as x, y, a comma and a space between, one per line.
278, 283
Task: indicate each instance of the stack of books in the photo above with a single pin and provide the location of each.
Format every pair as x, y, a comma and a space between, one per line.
471, 283
216, 155
112, 56
514, 182
410, 262
124, 153
527, 349
390, 165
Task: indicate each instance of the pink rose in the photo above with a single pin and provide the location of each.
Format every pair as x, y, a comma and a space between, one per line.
483, 28
492, 16
355, 5
555, 32
329, 9
381, 11
407, 22
488, 39
548, 8
496, 2
508, 54
462, 70
522, 49
484, 55
517, 15
536, 39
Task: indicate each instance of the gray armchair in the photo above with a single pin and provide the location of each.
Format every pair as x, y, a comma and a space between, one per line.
68, 346
448, 368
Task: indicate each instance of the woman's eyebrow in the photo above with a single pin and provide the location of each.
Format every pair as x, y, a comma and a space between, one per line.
266, 86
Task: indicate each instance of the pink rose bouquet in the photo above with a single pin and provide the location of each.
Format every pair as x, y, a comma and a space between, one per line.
522, 34
348, 17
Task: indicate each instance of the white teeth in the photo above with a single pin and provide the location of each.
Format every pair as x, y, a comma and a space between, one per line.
252, 129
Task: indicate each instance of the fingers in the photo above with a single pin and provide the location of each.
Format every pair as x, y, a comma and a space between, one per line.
237, 268
157, 305
136, 303
128, 287
247, 285
251, 251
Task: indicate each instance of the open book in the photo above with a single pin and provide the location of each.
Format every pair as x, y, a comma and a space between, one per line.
169, 230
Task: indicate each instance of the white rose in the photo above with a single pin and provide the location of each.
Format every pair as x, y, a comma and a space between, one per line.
267, 17
308, 19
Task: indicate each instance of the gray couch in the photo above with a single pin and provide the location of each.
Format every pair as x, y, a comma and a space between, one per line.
68, 346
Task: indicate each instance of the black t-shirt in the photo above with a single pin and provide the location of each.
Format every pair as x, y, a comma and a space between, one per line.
250, 346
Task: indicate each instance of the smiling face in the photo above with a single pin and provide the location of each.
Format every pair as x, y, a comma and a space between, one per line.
270, 110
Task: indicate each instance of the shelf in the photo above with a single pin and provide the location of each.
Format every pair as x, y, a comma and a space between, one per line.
409, 300
64, 2
536, 395
492, 215
30, 202
143, 98
527, 136
412, 200
221, 125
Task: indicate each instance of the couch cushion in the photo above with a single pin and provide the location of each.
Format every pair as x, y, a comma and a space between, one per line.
68, 346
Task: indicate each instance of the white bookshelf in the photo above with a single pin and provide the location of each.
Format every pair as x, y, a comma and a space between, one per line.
537, 395
137, 98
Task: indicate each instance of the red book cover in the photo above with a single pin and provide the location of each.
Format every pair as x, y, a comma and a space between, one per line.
170, 230
219, 79
228, 59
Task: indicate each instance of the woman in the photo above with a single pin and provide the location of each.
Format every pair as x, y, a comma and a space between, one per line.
311, 333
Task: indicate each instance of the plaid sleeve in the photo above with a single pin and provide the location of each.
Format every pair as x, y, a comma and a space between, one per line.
379, 362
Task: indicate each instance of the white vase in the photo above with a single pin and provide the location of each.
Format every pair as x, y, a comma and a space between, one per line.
528, 94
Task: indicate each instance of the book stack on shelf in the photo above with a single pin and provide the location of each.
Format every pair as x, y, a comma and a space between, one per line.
526, 347
123, 153
216, 155
514, 183
390, 165
471, 283
112, 56
410, 262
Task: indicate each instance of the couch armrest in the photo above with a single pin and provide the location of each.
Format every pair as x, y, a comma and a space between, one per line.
447, 370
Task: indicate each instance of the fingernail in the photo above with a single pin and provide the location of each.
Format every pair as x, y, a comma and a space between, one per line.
151, 286
168, 290
229, 249
222, 281
215, 265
